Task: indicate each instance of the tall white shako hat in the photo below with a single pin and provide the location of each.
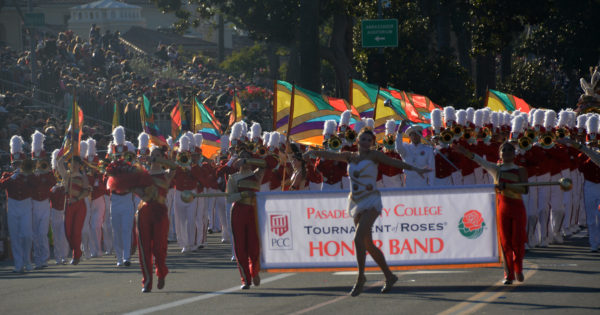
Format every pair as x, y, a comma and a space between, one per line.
37, 146
436, 120
273, 144
16, 149
255, 133
143, 144
118, 143
592, 128
91, 154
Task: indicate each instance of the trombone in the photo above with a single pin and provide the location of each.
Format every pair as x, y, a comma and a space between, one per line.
565, 184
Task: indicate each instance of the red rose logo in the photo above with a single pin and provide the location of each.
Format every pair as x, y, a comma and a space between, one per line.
472, 220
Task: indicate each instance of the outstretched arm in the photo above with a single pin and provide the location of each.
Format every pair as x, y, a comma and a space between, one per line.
593, 155
380, 157
488, 166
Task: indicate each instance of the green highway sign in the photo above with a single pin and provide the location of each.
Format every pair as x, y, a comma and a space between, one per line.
34, 19
379, 33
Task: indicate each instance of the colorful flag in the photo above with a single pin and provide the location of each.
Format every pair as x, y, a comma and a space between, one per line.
498, 101
311, 110
147, 117
236, 109
73, 134
175, 122
417, 107
205, 124
116, 116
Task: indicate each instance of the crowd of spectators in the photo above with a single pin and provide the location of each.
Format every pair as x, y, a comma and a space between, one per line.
102, 71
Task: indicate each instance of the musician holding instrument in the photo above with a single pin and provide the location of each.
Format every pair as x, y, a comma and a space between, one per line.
511, 213
19, 206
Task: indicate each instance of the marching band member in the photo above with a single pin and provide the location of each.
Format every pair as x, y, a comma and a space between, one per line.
19, 205
57, 215
271, 173
153, 221
241, 188
443, 164
221, 206
591, 186
511, 210
122, 207
560, 162
42, 181
332, 171
77, 189
364, 202
170, 196
185, 213
391, 177
107, 230
98, 204
202, 171
415, 153
86, 231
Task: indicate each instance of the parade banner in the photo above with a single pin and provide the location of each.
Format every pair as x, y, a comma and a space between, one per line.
444, 227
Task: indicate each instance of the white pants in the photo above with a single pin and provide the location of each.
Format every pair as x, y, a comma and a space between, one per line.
265, 187
201, 222
558, 199
346, 183
19, 213
577, 198
457, 179
86, 232
214, 218
40, 224
314, 186
480, 176
122, 212
469, 179
331, 187
413, 179
531, 207
544, 207
591, 192
442, 182
171, 213
391, 181
96, 218
107, 241
61, 245
221, 211
185, 221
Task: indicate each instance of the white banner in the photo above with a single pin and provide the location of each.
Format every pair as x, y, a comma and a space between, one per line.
434, 226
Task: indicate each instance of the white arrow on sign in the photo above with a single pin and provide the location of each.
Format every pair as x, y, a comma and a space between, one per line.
377, 38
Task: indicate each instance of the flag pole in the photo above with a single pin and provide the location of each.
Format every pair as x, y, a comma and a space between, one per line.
289, 131
375, 106
274, 105
194, 115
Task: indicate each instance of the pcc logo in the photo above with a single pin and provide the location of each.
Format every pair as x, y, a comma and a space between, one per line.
471, 224
280, 235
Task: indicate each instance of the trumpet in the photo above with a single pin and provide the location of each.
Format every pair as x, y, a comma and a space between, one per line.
262, 151
350, 135
457, 131
27, 166
547, 140
487, 134
129, 156
251, 146
165, 162
531, 134
562, 133
334, 143
468, 134
184, 158
43, 166
92, 166
389, 142
446, 137
525, 143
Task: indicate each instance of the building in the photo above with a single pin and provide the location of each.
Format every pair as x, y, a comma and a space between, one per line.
108, 15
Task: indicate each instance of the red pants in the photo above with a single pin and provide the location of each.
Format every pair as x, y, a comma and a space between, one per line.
245, 240
512, 220
152, 229
74, 218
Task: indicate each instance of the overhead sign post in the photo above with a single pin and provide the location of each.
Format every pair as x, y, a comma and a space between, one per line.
379, 33
34, 19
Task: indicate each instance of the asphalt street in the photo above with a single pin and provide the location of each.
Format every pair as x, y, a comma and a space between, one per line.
560, 279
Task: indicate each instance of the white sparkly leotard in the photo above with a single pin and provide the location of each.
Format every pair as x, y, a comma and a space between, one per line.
363, 190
